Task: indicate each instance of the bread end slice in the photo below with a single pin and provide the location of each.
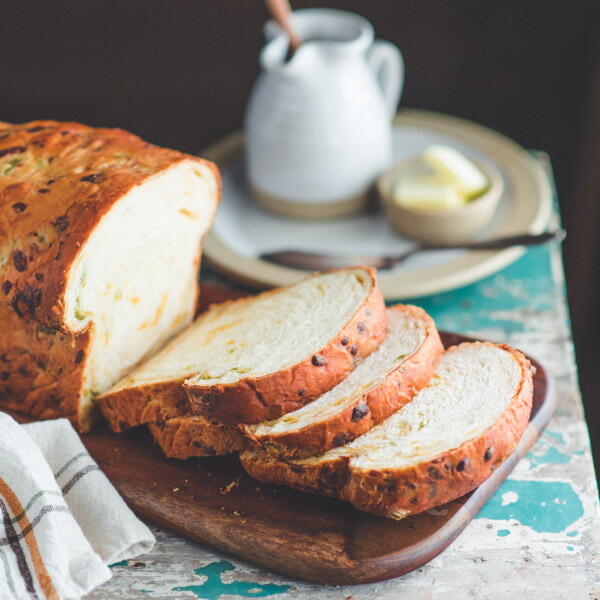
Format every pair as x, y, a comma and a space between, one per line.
185, 437
131, 406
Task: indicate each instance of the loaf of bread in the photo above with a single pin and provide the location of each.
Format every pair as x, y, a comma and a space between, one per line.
260, 357
443, 444
100, 238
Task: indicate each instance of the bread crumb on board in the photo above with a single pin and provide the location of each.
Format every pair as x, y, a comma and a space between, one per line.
232, 484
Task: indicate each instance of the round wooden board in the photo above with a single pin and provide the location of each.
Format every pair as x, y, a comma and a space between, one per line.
530, 208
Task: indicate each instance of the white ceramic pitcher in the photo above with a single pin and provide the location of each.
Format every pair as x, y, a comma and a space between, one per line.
318, 127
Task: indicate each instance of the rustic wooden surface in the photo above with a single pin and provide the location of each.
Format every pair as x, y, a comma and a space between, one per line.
539, 535
326, 541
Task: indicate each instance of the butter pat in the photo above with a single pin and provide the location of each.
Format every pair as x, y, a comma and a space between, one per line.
428, 194
457, 169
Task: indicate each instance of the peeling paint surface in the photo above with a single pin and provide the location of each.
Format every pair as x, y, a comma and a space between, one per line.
213, 586
544, 506
538, 536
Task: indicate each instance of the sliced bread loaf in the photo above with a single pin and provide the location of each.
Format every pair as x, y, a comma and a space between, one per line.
185, 436
260, 357
385, 381
443, 444
100, 240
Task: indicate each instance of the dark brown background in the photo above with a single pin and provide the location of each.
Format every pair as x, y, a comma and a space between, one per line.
178, 72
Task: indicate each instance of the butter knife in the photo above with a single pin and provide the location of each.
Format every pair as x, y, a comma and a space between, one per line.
317, 262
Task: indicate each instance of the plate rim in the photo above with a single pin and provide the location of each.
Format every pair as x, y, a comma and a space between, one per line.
458, 272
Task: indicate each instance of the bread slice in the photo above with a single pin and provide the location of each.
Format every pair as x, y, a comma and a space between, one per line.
384, 382
100, 240
443, 444
260, 357
185, 436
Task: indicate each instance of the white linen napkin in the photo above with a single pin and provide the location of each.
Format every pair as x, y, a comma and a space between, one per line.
61, 521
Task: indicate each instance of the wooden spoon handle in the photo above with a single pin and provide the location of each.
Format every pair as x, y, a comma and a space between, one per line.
280, 9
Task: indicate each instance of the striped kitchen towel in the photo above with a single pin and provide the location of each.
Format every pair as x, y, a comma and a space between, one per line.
61, 520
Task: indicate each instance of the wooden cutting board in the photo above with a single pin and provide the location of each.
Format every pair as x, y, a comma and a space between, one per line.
301, 535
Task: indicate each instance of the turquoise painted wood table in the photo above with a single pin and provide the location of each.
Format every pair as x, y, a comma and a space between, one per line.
537, 538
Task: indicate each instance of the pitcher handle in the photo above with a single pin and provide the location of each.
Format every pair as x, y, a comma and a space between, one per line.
387, 64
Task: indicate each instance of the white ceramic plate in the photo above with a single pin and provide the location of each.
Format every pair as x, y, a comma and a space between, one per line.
242, 230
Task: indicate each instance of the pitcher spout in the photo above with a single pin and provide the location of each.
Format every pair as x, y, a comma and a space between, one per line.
274, 57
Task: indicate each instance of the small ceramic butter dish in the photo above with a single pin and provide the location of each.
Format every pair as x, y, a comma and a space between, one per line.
456, 224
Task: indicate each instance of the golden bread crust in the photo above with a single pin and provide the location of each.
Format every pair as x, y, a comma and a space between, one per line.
42, 369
